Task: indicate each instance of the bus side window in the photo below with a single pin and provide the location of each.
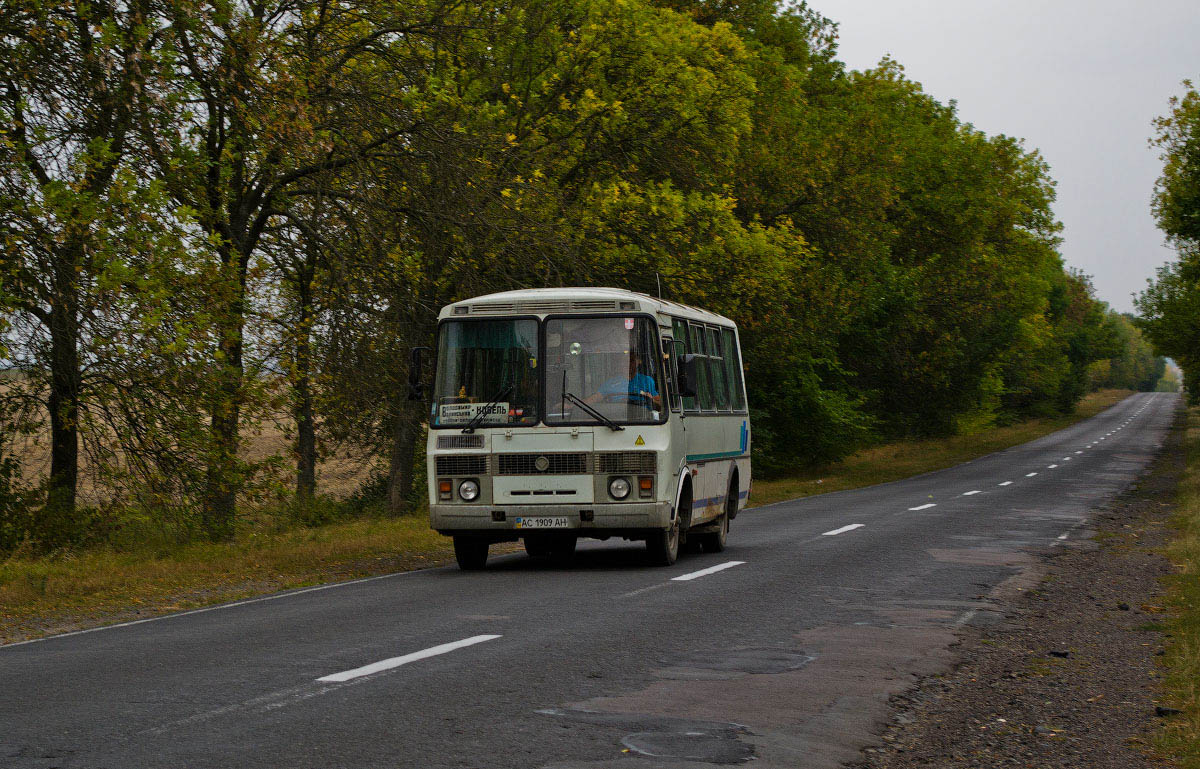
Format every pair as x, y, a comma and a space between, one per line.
716, 368
670, 366
680, 330
733, 368
698, 348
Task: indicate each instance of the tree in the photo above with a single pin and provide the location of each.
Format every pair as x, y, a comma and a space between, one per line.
71, 208
1170, 306
1133, 366
264, 105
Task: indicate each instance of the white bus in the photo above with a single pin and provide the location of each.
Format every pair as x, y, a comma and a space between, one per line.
585, 412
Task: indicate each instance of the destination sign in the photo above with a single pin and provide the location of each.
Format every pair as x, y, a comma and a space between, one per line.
465, 412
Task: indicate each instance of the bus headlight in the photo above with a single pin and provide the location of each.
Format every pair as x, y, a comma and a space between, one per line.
618, 488
468, 490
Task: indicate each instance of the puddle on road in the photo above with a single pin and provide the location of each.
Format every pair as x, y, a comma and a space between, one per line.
678, 739
728, 664
690, 746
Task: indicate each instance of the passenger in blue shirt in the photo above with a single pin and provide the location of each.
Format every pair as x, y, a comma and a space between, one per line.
636, 388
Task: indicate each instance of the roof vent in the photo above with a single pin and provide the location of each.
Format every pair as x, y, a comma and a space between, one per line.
492, 308
594, 305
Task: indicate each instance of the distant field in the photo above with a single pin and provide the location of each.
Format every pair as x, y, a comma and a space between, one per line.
338, 476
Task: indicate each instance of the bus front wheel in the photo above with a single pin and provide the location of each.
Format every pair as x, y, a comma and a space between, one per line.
663, 545
470, 552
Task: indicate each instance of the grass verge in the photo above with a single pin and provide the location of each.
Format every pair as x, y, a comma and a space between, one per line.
1180, 737
102, 585
39, 596
894, 461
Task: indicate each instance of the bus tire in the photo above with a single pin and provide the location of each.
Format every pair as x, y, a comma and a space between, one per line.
562, 549
538, 546
714, 541
663, 545
735, 492
470, 552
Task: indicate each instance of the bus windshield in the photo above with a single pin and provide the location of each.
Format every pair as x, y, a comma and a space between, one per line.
486, 369
610, 363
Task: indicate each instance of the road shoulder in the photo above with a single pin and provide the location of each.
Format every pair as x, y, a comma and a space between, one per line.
1071, 676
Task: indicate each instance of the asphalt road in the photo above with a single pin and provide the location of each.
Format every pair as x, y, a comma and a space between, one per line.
786, 655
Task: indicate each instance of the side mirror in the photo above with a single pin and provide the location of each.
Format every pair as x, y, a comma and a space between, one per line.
416, 391
689, 376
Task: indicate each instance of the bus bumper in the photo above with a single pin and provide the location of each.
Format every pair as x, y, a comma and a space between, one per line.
607, 518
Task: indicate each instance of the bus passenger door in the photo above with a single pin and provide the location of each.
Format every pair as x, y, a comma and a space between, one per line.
673, 459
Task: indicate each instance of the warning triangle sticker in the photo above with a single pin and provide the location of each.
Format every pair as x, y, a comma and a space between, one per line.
639, 441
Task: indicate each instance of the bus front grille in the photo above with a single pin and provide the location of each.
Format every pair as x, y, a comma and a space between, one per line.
459, 464
642, 462
542, 464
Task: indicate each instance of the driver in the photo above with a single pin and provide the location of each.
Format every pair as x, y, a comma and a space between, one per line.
636, 385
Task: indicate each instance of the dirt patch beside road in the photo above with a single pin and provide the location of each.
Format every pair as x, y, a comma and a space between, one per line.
1070, 678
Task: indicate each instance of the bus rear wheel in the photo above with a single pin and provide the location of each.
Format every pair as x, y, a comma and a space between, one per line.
470, 552
714, 541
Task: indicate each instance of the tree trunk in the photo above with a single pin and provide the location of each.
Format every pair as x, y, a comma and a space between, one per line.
306, 434
406, 428
65, 379
220, 504
224, 475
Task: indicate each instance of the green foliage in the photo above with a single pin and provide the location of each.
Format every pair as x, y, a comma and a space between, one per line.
767, 278
1134, 366
14, 506
1177, 193
1170, 306
1169, 381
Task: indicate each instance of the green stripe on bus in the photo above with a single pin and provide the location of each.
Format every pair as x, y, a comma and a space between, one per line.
718, 455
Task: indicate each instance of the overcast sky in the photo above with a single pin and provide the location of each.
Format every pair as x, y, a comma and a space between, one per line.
1080, 80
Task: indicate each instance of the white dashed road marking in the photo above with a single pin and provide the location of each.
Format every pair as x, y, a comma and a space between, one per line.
969, 493
923, 507
1006, 483
395, 662
706, 572
1030, 475
843, 530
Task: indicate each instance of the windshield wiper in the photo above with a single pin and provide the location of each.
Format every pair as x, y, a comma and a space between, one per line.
583, 405
475, 420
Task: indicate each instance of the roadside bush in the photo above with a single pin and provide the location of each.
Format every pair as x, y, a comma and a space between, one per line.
14, 507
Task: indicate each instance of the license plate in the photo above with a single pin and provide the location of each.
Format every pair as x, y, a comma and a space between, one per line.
543, 523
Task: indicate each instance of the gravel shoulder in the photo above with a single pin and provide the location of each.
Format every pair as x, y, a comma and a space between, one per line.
1071, 677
